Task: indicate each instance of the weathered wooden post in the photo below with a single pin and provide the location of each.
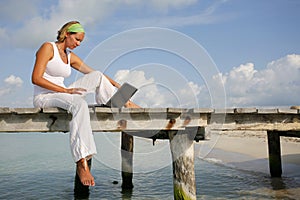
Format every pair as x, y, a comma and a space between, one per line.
274, 153
182, 150
127, 160
126, 155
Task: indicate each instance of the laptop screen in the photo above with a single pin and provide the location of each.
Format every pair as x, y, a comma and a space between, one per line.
123, 94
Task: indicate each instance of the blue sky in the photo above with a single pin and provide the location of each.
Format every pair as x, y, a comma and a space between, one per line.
253, 47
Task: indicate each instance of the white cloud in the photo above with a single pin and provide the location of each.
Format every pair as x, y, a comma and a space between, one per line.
44, 25
11, 90
39, 21
133, 77
243, 72
14, 81
276, 85
196, 89
151, 93
148, 94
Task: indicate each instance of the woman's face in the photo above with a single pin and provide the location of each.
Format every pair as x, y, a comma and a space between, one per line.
73, 40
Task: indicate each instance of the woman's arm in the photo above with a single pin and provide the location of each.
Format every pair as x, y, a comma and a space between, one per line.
43, 55
79, 65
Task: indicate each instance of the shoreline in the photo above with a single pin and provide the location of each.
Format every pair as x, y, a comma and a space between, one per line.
249, 151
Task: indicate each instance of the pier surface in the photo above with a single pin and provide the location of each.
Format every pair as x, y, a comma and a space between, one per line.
110, 119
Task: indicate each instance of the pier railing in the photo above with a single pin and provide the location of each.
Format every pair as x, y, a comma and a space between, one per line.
180, 126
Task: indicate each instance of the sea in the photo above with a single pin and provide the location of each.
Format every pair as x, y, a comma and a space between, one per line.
40, 166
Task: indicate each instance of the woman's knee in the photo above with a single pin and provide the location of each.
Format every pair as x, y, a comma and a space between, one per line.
79, 104
96, 74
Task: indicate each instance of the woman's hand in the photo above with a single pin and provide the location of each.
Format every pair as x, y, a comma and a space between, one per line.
75, 90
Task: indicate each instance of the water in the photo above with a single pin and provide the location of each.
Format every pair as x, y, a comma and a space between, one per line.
39, 166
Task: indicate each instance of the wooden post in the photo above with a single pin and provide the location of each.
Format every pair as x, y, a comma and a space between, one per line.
182, 149
127, 160
80, 190
274, 153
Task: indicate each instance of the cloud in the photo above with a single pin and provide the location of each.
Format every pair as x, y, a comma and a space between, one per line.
276, 85
14, 81
43, 24
11, 89
153, 93
148, 94
36, 22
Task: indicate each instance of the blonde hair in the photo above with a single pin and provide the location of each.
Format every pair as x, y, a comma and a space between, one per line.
61, 33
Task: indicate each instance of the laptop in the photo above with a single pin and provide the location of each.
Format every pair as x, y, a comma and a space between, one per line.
118, 100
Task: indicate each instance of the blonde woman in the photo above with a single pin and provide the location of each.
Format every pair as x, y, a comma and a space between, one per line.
53, 64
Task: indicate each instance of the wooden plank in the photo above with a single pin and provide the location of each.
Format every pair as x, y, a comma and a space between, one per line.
53, 110
155, 110
203, 110
132, 110
245, 110
177, 110
267, 110
224, 110
22, 111
5, 110
287, 111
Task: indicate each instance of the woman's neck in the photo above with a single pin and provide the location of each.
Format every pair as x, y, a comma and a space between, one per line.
61, 46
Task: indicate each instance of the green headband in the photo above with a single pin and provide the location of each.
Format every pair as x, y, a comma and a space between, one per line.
75, 28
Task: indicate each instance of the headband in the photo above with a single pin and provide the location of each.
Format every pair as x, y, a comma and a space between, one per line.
75, 28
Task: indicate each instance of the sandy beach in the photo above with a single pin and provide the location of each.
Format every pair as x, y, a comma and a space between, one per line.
249, 151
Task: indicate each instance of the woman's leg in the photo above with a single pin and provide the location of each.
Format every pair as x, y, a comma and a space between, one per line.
96, 82
81, 137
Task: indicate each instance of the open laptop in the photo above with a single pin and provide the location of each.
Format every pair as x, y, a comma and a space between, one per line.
118, 100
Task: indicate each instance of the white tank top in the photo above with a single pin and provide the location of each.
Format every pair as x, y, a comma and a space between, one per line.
56, 71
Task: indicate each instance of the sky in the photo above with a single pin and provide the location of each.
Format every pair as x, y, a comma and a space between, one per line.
178, 53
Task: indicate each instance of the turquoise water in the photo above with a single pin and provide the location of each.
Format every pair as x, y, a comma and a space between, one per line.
39, 166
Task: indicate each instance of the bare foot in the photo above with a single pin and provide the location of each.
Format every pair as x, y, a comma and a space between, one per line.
130, 104
84, 173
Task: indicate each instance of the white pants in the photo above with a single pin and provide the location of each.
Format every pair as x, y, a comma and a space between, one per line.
81, 137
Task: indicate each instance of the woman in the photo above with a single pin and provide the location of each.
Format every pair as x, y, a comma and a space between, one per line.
53, 63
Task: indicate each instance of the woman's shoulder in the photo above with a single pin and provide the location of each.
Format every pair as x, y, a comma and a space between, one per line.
46, 48
47, 45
